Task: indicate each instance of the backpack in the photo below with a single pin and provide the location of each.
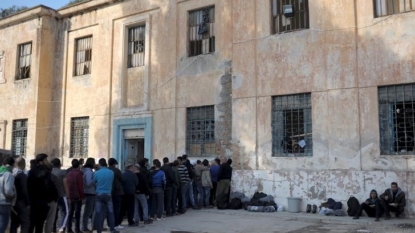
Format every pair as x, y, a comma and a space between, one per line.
221, 202
235, 204
352, 206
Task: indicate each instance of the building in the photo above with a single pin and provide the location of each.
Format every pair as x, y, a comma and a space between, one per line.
312, 103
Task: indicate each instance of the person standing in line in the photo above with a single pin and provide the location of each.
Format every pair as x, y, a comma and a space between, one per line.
130, 183
76, 195
159, 183
206, 184
42, 191
142, 194
214, 169
199, 168
224, 178
7, 192
104, 179
176, 186
63, 206
21, 214
168, 191
81, 164
53, 205
89, 189
117, 192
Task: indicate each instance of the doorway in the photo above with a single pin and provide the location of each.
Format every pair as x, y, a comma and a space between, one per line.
134, 148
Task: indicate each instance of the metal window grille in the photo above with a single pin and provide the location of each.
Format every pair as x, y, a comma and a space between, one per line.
200, 134
390, 7
79, 137
202, 31
83, 59
300, 20
292, 132
397, 119
136, 46
25, 60
19, 137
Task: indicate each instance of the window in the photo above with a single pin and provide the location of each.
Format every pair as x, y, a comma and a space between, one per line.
19, 137
202, 31
83, 56
79, 136
136, 46
25, 60
298, 21
200, 135
390, 7
396, 119
292, 125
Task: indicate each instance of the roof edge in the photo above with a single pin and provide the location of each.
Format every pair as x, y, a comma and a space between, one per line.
28, 14
74, 9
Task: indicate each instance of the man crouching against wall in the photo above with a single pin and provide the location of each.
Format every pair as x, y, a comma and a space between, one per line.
393, 199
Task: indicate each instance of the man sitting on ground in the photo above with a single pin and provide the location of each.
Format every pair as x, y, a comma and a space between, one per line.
393, 199
371, 206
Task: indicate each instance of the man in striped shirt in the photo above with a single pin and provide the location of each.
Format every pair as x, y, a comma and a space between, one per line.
184, 181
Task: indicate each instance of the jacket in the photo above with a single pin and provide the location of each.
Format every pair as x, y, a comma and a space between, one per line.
20, 183
130, 182
206, 178
75, 184
168, 172
183, 174
40, 186
399, 198
60, 175
225, 172
214, 170
117, 188
159, 179
176, 177
371, 200
7, 191
89, 185
142, 187
146, 173
198, 172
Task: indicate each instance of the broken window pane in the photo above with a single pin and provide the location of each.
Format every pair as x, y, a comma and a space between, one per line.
25, 60
83, 56
136, 46
202, 31
200, 134
300, 20
292, 125
79, 137
396, 119
390, 7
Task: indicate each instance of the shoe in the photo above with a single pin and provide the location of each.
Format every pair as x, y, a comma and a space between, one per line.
169, 215
115, 232
158, 219
355, 217
196, 208
119, 227
308, 210
133, 225
70, 231
85, 231
148, 222
209, 207
376, 219
314, 210
387, 217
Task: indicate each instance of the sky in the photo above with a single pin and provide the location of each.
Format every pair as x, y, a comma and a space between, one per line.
56, 4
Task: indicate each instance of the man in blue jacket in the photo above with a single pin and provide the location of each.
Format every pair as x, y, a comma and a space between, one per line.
104, 179
159, 183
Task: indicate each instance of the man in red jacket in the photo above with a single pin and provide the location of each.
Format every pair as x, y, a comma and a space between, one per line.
76, 195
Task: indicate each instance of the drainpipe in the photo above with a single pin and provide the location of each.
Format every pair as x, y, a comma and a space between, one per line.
356, 31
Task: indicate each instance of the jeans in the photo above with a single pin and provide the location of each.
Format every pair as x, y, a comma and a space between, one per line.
5, 212
206, 190
141, 200
223, 187
201, 193
88, 210
158, 201
377, 211
50, 219
103, 203
174, 201
76, 205
130, 204
213, 193
168, 193
20, 219
184, 188
38, 214
116, 200
63, 209
191, 196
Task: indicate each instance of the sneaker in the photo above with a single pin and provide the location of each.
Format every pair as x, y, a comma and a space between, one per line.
387, 217
308, 210
355, 217
158, 219
196, 208
376, 219
85, 231
314, 209
148, 222
119, 227
133, 225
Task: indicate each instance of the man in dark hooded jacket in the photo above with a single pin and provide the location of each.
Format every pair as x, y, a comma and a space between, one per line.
393, 199
371, 206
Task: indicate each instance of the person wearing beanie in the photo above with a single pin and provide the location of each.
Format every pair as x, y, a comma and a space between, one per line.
7, 193
21, 215
117, 191
371, 206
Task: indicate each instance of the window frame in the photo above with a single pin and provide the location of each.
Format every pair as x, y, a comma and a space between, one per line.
192, 29
379, 5
207, 146
284, 143
15, 135
19, 60
75, 72
277, 13
79, 138
143, 40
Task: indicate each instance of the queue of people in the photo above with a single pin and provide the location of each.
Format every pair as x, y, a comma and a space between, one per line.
48, 199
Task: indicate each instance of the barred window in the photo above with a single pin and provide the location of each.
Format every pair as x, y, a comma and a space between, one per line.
79, 136
202, 31
200, 134
19, 137
83, 58
136, 46
25, 61
292, 132
300, 19
390, 7
397, 119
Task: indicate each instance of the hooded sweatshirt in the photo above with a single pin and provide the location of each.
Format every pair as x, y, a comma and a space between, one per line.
89, 184
399, 198
371, 200
7, 192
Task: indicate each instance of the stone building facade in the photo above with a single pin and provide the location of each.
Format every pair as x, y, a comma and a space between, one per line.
312, 103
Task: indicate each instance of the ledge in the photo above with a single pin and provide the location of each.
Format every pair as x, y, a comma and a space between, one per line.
26, 15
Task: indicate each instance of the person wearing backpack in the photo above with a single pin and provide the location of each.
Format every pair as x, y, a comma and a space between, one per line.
7, 192
371, 206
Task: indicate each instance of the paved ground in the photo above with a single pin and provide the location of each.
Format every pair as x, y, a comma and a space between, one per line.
240, 221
